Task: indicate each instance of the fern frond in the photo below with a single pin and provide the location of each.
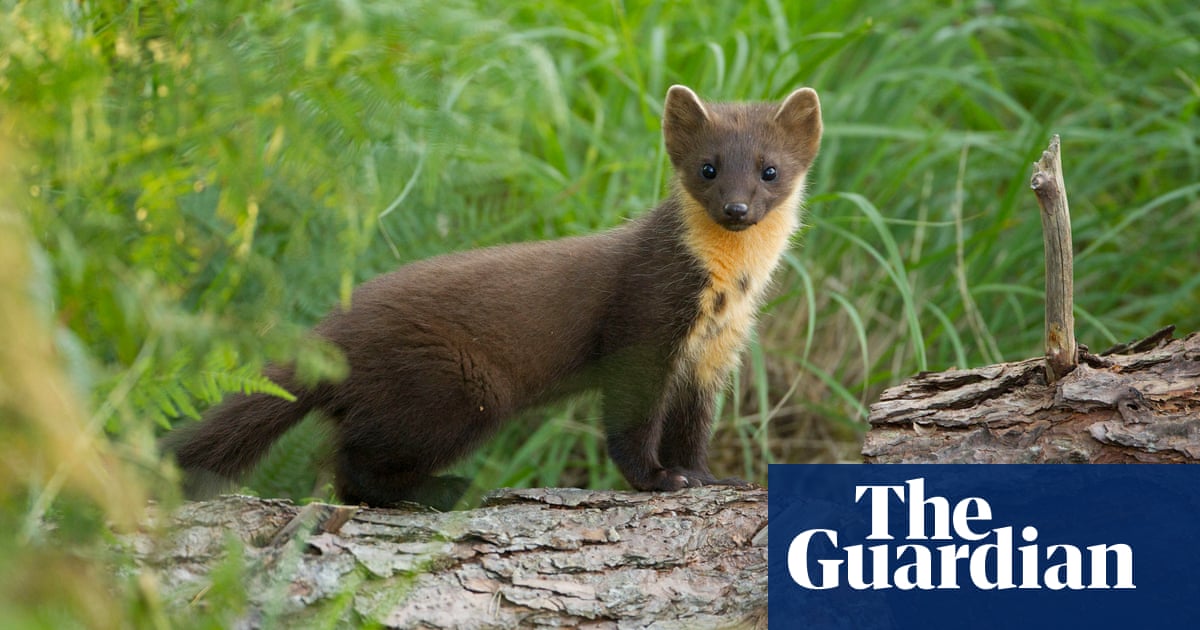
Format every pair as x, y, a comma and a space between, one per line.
210, 386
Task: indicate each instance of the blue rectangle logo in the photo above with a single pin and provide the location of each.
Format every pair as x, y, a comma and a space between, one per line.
984, 546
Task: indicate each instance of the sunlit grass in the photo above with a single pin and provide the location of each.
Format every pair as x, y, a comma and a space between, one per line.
253, 173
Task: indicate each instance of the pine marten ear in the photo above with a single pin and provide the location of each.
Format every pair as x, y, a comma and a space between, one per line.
800, 117
684, 116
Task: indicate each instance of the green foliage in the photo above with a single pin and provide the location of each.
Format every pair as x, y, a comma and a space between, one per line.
216, 176
207, 179
289, 470
175, 388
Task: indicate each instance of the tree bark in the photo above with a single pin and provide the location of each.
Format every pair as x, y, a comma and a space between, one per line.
551, 557
1139, 403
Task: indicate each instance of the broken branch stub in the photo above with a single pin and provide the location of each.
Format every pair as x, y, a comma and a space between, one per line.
1047, 184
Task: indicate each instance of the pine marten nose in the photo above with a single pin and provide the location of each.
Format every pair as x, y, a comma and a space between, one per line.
736, 210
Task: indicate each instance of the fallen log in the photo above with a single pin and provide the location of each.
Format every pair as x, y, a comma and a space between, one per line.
549, 556
1142, 406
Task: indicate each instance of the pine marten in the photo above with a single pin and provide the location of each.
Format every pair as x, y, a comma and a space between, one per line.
652, 313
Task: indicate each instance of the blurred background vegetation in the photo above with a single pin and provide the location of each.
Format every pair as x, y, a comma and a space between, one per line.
187, 186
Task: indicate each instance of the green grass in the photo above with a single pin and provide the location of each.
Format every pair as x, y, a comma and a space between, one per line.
202, 181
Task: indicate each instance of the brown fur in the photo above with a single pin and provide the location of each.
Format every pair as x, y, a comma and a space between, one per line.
653, 313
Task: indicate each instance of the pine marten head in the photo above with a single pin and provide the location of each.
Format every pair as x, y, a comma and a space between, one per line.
740, 161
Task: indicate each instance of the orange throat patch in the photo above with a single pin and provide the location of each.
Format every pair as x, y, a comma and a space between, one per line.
739, 266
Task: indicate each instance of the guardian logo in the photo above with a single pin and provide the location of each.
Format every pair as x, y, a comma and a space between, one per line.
986, 558
983, 546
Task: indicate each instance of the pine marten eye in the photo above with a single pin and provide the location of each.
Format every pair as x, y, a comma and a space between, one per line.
708, 171
769, 174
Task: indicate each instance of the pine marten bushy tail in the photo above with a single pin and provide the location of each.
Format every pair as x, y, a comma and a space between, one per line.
653, 313
236, 434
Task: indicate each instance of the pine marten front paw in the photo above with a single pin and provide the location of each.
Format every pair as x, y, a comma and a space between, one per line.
670, 479
664, 481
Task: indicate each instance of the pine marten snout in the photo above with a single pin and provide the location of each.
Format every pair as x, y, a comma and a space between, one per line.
653, 313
